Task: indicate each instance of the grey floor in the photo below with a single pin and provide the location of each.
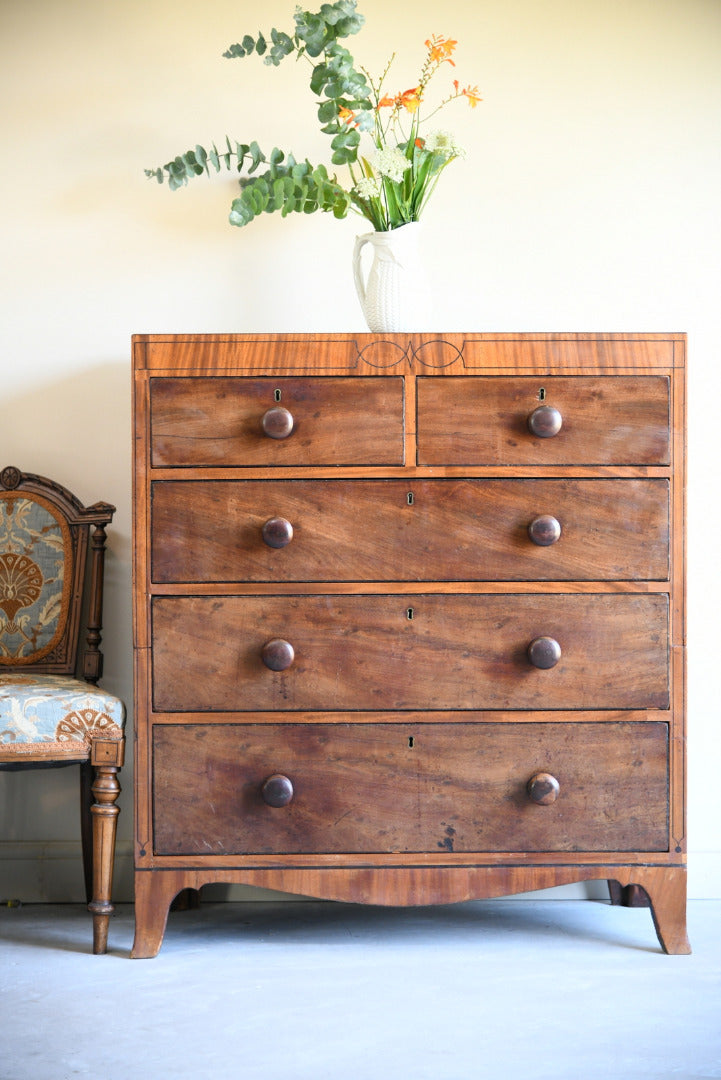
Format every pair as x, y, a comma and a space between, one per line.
317, 991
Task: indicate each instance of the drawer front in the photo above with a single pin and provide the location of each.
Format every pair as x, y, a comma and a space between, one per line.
402, 788
485, 420
220, 421
426, 530
409, 652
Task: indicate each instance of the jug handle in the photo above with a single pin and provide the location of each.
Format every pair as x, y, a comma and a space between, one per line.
360, 243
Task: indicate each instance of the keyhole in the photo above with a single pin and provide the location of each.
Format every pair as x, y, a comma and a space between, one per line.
542, 394
277, 395
411, 742
410, 498
410, 613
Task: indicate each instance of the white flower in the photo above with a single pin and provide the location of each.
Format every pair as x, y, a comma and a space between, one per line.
368, 188
443, 142
392, 163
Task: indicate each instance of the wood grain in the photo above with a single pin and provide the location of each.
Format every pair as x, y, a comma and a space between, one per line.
206, 421
410, 787
419, 530
469, 421
365, 652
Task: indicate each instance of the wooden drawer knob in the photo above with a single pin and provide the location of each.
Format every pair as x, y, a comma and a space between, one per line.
544, 530
544, 652
278, 654
543, 789
277, 790
545, 421
277, 532
278, 423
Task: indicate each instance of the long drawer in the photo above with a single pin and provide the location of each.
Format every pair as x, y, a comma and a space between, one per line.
328, 652
622, 420
417, 530
225, 421
410, 787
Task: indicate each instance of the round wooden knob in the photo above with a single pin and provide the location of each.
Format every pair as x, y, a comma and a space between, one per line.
278, 654
543, 789
544, 530
277, 532
544, 652
278, 423
545, 421
277, 790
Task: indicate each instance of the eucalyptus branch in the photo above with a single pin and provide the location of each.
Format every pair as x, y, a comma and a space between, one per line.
391, 190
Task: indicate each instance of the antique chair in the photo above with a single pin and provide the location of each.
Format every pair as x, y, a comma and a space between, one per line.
51, 711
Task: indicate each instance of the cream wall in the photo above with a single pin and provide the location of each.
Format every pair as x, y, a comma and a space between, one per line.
589, 200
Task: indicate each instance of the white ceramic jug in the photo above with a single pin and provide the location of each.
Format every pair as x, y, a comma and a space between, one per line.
395, 295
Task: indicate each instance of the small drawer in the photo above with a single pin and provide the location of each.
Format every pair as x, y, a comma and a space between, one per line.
418, 530
574, 420
334, 652
239, 789
247, 422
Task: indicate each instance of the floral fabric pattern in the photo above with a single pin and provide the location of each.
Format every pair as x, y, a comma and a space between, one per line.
33, 545
59, 712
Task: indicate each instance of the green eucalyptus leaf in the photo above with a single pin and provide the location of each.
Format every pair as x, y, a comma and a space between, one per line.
319, 78
257, 156
346, 139
327, 111
240, 213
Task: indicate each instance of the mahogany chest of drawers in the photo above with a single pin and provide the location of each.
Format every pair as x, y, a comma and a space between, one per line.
409, 617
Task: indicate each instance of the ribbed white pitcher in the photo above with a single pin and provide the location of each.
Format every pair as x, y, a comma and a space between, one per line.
395, 294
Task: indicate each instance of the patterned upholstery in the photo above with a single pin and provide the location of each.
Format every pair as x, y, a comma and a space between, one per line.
34, 543
55, 714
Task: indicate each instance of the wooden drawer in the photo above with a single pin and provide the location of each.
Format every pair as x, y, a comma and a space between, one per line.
409, 652
410, 787
219, 421
485, 420
417, 530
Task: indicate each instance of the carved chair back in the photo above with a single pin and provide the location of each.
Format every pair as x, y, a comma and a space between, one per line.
45, 541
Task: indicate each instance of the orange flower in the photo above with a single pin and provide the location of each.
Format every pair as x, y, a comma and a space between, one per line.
440, 49
471, 92
409, 99
346, 116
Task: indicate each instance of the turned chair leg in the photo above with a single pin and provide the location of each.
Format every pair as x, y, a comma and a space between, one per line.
86, 826
104, 817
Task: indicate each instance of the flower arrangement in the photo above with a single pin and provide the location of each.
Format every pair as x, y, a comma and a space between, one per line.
391, 185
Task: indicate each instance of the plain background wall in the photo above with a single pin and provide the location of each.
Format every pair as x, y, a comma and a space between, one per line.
588, 201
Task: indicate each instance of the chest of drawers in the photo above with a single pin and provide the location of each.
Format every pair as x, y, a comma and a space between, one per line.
409, 617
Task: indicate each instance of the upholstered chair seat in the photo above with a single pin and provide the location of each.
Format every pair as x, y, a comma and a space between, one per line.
55, 716
51, 710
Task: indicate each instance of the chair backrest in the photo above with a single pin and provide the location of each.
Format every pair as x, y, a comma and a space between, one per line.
47, 554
